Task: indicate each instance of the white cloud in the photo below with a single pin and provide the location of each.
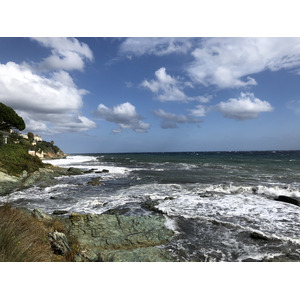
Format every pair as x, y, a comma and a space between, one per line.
67, 54
245, 107
168, 88
124, 115
199, 111
170, 120
155, 46
45, 103
229, 62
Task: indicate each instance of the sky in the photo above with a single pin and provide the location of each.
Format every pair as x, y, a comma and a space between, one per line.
148, 94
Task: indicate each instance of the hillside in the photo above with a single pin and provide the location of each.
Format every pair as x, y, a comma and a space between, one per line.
15, 157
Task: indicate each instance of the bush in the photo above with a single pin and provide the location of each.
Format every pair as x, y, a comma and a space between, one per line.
15, 158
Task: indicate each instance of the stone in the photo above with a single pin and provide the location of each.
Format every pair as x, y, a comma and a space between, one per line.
59, 243
258, 236
74, 171
287, 199
151, 205
40, 215
117, 238
59, 212
94, 181
150, 254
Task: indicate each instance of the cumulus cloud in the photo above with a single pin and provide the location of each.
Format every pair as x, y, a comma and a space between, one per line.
155, 46
45, 103
170, 120
124, 115
200, 111
245, 107
229, 62
66, 54
167, 88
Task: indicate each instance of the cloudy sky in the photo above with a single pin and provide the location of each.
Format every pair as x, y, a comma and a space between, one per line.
155, 94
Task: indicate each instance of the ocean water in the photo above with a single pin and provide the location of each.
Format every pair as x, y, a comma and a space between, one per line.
215, 201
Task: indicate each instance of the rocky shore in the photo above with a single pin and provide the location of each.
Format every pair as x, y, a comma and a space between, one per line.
98, 237
108, 238
43, 176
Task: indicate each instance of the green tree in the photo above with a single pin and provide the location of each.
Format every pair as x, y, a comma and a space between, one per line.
30, 135
10, 119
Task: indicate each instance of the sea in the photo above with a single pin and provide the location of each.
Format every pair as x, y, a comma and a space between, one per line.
221, 205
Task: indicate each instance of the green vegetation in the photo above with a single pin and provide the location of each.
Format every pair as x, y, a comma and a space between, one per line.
10, 119
14, 158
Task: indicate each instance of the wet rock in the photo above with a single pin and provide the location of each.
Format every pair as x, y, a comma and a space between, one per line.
258, 236
59, 212
59, 243
89, 171
117, 211
287, 199
74, 171
151, 205
105, 171
169, 198
95, 181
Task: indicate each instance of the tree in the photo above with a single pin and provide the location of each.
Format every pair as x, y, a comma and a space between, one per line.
30, 135
10, 119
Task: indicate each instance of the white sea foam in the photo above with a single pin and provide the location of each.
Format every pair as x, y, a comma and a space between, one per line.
71, 160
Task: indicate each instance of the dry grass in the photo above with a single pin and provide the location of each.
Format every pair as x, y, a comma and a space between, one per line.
23, 238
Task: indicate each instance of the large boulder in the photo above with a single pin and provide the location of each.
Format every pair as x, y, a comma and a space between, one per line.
119, 238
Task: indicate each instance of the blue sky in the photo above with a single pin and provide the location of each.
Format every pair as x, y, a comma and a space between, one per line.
155, 94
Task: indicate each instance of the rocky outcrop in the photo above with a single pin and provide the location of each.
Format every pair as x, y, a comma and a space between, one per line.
95, 181
119, 238
287, 199
44, 176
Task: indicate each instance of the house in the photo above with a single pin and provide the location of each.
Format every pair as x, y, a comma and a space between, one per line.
5, 136
38, 138
24, 136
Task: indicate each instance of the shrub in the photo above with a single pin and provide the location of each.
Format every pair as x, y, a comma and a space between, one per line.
15, 159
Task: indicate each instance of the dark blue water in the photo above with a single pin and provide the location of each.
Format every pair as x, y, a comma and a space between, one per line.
215, 201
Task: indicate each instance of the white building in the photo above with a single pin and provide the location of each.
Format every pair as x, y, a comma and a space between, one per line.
38, 138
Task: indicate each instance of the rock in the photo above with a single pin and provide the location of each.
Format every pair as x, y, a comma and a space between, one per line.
39, 214
95, 181
8, 183
59, 243
59, 212
258, 236
103, 171
151, 205
117, 211
89, 171
74, 171
150, 254
169, 198
97, 233
287, 199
